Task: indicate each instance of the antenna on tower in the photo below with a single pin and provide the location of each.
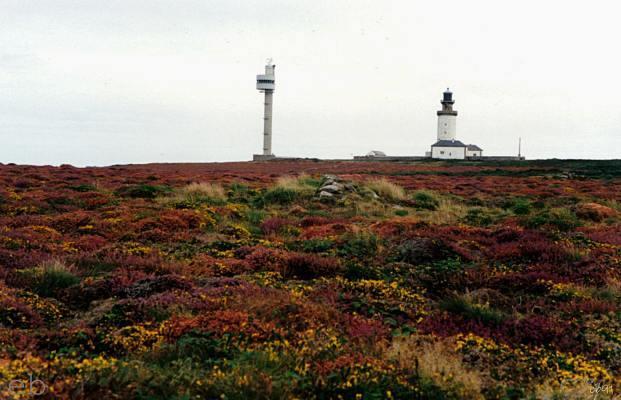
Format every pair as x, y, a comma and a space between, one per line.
520, 147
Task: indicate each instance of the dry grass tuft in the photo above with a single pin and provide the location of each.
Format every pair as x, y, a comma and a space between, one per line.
613, 203
448, 212
205, 189
195, 193
610, 292
438, 361
386, 189
370, 208
299, 184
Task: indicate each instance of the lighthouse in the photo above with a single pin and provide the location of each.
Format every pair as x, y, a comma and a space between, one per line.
266, 83
448, 147
447, 118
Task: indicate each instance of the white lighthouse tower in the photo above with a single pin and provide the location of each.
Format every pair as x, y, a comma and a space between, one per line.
447, 118
266, 83
448, 147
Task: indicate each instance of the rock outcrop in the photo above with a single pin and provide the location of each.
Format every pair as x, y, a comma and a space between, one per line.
332, 186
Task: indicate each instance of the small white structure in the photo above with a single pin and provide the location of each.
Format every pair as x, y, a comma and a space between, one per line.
376, 153
472, 150
266, 83
448, 147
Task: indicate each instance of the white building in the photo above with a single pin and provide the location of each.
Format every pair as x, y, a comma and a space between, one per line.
448, 150
448, 147
473, 151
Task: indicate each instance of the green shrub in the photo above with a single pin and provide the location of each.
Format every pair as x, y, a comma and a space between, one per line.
317, 245
143, 191
267, 377
247, 375
448, 266
359, 245
203, 347
607, 293
560, 218
401, 213
426, 200
240, 193
478, 216
354, 270
138, 380
83, 188
60, 201
280, 195
441, 275
255, 217
484, 314
475, 202
521, 207
49, 278
310, 181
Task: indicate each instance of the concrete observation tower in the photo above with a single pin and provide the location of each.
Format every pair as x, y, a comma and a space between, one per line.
266, 83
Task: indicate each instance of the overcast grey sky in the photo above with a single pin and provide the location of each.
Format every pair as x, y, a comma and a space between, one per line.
126, 81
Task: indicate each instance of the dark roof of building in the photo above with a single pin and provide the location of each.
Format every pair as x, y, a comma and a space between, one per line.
474, 147
448, 143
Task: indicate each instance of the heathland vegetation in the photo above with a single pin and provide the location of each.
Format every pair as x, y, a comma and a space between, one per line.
239, 281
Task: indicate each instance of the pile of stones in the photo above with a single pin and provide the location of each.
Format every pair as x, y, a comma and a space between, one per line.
332, 186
